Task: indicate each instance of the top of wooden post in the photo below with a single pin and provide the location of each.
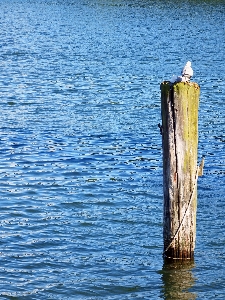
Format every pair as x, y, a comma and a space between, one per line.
187, 83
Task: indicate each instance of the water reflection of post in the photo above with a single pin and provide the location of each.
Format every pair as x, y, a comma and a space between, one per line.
177, 279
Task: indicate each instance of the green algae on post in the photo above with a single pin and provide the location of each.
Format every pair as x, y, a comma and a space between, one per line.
179, 109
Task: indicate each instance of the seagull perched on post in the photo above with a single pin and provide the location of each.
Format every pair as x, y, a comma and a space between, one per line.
187, 71
186, 74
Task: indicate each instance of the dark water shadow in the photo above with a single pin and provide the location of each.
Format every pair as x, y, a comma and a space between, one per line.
178, 279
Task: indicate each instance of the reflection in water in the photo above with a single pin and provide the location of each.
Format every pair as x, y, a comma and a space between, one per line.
177, 279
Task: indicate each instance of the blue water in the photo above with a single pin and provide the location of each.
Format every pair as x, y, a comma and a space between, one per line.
81, 160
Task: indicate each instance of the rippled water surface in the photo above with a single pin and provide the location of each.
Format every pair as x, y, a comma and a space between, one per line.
81, 161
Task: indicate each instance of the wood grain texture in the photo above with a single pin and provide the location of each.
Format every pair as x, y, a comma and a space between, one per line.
179, 108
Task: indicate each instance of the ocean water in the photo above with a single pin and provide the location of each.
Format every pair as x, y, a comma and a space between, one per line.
81, 160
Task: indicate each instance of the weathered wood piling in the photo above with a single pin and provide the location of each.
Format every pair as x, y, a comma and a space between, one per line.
179, 109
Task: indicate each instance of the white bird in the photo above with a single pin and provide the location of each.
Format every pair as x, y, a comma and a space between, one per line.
187, 71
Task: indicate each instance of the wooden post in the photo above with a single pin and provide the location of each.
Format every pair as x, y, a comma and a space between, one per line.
179, 108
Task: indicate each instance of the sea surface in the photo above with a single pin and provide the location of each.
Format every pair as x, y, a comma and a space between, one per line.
81, 195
